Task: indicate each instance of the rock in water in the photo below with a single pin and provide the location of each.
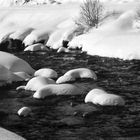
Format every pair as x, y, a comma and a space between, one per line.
14, 63
24, 111
82, 73
36, 83
60, 89
101, 97
46, 72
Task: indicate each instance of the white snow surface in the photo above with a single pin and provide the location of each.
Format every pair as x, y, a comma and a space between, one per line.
30, 22
117, 38
8, 3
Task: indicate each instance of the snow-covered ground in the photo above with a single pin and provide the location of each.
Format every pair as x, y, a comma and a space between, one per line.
54, 22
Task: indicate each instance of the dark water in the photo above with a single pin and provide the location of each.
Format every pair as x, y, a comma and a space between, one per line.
68, 117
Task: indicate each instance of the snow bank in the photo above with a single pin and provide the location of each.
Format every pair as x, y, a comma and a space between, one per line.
55, 23
32, 24
119, 38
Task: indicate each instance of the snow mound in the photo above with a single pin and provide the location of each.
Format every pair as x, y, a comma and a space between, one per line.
54, 89
36, 83
24, 111
46, 72
81, 73
101, 97
15, 64
36, 47
74, 74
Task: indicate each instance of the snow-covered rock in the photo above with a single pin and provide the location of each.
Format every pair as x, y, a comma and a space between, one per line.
36, 47
74, 74
36, 83
46, 72
81, 73
101, 97
15, 64
60, 89
24, 111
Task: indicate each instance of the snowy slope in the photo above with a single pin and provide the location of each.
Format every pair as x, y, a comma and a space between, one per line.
8, 3
53, 23
119, 38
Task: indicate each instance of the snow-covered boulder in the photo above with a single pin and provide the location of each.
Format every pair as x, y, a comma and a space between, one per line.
65, 79
36, 47
36, 83
54, 89
6, 76
74, 74
101, 97
15, 64
46, 72
81, 73
24, 111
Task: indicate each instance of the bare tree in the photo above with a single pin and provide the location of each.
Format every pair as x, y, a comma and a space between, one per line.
90, 14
